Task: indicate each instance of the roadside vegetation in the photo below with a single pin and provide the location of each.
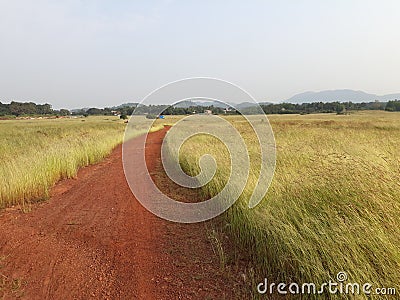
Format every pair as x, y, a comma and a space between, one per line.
35, 154
333, 205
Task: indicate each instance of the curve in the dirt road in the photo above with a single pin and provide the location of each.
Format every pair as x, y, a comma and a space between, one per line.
160, 204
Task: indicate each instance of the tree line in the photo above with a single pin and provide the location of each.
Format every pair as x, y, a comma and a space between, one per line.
29, 108
149, 109
281, 108
393, 106
322, 107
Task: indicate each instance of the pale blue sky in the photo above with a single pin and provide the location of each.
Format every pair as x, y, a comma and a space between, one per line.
102, 53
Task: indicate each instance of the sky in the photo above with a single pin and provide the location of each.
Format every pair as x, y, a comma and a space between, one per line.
87, 53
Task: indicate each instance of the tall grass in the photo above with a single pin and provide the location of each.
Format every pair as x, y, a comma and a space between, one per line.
334, 203
34, 154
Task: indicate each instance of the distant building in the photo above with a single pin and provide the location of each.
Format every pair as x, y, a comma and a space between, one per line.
207, 112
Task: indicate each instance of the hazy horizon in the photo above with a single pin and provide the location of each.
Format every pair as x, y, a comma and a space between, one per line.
104, 53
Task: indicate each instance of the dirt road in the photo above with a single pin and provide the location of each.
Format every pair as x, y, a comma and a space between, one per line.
92, 239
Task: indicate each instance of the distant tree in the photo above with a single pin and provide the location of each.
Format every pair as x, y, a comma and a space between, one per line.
123, 117
107, 111
19, 108
340, 109
44, 109
377, 105
393, 105
126, 110
64, 112
94, 111
3, 109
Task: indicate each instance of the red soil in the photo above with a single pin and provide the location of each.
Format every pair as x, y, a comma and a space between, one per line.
92, 239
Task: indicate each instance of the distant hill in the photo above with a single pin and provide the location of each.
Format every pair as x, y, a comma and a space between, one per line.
185, 104
341, 96
77, 110
189, 103
245, 105
129, 104
211, 103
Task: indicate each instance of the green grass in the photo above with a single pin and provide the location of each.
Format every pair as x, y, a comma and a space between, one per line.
334, 203
35, 154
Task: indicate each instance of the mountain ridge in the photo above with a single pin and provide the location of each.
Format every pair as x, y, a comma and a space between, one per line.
341, 95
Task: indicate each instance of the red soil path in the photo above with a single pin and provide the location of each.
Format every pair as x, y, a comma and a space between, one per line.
93, 240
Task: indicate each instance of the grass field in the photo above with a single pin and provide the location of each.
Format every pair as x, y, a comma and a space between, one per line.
333, 204
35, 154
